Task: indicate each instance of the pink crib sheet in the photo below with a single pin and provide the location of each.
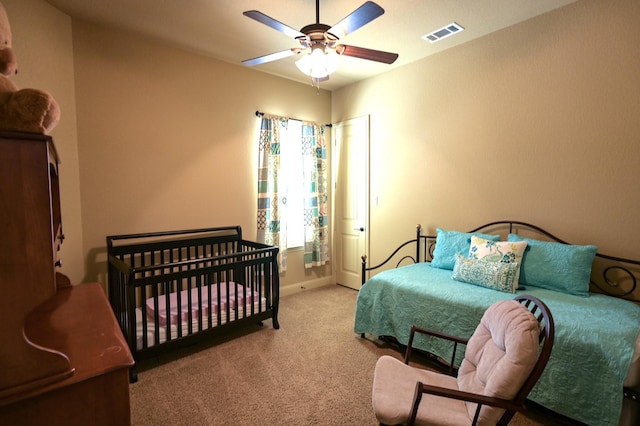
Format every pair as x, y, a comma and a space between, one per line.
177, 313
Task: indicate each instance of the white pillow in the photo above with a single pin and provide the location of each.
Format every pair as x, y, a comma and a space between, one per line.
498, 251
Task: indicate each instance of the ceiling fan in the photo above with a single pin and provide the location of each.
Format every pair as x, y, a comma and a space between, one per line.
320, 42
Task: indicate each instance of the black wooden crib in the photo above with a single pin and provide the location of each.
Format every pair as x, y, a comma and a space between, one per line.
170, 289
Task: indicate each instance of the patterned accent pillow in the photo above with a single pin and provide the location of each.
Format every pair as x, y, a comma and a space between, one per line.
498, 251
450, 243
496, 275
557, 266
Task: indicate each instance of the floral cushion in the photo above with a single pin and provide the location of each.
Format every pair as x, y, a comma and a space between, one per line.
496, 275
498, 251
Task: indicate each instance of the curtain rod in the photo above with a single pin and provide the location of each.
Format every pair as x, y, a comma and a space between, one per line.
260, 114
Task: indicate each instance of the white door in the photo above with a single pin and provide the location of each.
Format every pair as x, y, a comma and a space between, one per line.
351, 199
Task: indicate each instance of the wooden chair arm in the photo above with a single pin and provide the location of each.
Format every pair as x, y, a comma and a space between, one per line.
480, 399
416, 329
455, 339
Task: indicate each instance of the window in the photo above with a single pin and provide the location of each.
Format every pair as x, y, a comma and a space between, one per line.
292, 189
291, 173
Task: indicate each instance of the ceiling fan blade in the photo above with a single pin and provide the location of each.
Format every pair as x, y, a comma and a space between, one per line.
270, 22
364, 53
270, 57
358, 18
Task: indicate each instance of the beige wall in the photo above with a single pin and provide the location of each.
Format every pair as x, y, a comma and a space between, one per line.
539, 122
43, 46
168, 140
162, 139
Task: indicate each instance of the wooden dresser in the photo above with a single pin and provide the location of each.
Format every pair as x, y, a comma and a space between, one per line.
63, 359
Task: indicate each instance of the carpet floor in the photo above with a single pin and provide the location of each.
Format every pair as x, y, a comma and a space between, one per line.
314, 370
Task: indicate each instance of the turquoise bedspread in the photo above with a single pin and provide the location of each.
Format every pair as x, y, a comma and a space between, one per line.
594, 336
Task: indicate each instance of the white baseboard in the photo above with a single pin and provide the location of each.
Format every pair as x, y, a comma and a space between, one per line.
306, 285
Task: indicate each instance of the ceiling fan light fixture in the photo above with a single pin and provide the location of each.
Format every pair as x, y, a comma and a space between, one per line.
320, 48
319, 63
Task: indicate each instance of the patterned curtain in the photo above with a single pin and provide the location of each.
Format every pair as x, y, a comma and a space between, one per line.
316, 219
271, 210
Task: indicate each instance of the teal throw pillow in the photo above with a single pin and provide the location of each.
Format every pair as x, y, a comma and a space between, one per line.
450, 243
556, 266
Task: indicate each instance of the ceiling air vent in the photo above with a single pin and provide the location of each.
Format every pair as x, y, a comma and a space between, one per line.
444, 32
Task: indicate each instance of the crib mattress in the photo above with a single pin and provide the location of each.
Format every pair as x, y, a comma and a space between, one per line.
195, 302
188, 327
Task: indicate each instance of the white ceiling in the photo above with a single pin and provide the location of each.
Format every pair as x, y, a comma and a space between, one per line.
217, 28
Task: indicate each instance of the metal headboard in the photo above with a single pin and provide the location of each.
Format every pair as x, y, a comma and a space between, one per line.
611, 275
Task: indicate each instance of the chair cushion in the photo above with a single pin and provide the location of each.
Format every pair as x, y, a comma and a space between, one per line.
500, 355
394, 383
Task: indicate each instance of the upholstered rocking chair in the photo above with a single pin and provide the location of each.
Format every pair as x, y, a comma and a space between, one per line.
503, 360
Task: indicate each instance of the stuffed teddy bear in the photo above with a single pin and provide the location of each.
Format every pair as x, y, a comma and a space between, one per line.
26, 110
